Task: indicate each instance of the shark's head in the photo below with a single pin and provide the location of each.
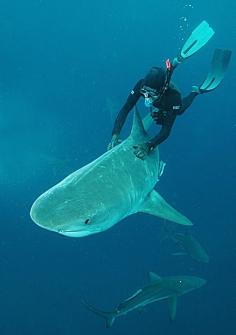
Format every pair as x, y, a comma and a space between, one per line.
185, 284
98, 195
61, 209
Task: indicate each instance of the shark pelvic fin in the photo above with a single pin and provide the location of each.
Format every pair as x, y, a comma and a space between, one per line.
138, 132
153, 277
154, 204
172, 304
108, 316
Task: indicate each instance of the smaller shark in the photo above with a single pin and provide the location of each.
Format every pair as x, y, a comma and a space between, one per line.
160, 288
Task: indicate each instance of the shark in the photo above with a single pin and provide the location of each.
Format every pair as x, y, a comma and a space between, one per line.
112, 187
159, 288
191, 246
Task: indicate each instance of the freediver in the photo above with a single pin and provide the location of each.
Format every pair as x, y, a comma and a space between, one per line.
163, 98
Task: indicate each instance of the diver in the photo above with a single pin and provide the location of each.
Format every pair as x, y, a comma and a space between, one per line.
163, 98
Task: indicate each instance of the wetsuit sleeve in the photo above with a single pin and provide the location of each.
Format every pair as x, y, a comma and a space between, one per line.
187, 101
169, 112
164, 132
129, 104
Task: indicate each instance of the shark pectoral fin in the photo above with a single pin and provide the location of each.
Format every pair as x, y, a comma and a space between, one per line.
172, 304
153, 277
154, 204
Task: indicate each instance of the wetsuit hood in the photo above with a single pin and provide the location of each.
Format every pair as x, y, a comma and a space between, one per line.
156, 78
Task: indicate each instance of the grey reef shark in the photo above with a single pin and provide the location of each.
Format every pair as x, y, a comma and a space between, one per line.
159, 288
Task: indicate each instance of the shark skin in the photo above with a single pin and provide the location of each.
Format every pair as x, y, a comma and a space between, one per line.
102, 193
160, 288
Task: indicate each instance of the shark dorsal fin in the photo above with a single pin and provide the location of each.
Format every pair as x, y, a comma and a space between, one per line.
147, 121
153, 277
138, 132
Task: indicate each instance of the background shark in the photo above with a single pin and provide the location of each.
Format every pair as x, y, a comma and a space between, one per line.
168, 288
110, 188
191, 246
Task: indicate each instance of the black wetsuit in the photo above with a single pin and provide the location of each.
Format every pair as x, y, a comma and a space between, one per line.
164, 112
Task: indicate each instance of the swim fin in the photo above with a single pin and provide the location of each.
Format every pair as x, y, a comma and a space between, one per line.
219, 65
199, 37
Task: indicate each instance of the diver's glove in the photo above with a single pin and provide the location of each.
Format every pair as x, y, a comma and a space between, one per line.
156, 116
142, 150
115, 140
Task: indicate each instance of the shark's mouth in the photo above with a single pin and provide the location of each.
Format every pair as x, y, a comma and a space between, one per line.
69, 231
74, 233
79, 232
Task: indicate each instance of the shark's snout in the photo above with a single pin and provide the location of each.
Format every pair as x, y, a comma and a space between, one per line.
54, 221
45, 217
201, 282
36, 214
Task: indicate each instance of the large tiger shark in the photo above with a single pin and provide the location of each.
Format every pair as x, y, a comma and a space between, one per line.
110, 188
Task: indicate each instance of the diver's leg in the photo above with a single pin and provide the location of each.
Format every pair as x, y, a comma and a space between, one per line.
188, 100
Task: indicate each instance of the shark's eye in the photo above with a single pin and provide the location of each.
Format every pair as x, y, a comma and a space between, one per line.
87, 221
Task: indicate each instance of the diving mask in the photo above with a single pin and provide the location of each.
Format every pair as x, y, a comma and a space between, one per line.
149, 94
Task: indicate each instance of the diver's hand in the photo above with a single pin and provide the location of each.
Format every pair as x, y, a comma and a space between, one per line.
115, 140
156, 117
142, 150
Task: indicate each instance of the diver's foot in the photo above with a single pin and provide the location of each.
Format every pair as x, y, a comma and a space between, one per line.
196, 89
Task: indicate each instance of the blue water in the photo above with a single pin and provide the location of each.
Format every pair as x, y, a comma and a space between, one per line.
66, 67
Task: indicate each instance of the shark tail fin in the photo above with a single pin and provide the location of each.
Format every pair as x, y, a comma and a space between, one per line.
108, 316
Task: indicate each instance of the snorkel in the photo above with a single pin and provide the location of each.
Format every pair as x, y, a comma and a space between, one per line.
169, 72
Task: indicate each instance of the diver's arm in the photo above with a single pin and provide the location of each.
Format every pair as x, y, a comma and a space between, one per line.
160, 137
187, 101
129, 104
143, 149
